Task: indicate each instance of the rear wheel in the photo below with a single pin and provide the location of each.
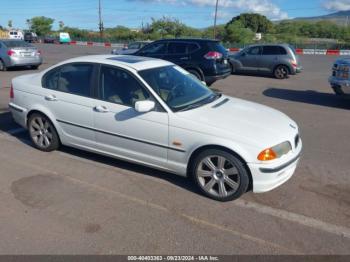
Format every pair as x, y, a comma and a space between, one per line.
281, 72
220, 175
195, 74
35, 67
2, 66
42, 133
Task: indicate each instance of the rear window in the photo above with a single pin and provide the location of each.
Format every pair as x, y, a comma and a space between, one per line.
216, 46
11, 44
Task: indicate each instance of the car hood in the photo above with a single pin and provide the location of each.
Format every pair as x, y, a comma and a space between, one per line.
249, 122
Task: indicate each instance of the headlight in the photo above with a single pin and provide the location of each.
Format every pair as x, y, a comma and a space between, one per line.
275, 151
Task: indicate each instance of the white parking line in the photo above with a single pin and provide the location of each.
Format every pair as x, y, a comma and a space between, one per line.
296, 218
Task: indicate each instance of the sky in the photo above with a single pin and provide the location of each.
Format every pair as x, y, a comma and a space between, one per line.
134, 13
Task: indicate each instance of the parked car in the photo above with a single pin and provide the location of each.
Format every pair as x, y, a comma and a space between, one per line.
154, 113
18, 53
278, 60
203, 58
16, 34
64, 38
49, 39
340, 80
130, 48
30, 37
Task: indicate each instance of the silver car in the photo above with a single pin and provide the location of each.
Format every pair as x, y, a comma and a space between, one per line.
279, 60
18, 53
131, 48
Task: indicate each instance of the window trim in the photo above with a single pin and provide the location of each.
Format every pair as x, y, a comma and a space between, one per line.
59, 68
97, 90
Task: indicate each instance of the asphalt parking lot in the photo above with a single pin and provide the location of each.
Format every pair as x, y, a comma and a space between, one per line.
73, 202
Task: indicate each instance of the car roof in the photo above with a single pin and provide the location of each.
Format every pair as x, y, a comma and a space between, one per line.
137, 63
188, 39
284, 45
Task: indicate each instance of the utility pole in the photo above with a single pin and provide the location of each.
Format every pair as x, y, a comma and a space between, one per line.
216, 13
100, 23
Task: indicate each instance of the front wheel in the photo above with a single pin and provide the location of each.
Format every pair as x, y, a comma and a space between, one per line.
220, 175
281, 72
43, 133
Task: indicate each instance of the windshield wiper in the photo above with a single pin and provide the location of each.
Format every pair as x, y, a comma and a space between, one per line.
207, 100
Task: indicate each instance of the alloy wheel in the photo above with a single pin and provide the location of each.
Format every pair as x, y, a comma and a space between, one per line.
218, 176
40, 130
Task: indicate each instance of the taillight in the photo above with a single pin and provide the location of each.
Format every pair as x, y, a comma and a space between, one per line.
213, 55
12, 94
10, 52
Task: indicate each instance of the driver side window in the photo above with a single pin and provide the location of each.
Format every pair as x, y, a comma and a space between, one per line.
120, 87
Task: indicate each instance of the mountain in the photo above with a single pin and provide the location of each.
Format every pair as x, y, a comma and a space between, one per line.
341, 18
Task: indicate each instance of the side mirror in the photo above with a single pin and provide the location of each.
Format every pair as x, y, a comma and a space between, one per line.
204, 83
243, 54
144, 106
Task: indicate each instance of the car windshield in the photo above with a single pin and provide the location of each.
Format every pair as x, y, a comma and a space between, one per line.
178, 89
17, 43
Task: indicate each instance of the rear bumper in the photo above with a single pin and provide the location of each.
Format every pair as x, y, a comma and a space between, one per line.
19, 114
299, 69
212, 79
24, 61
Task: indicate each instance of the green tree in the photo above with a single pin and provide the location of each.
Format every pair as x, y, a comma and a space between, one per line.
255, 22
41, 25
237, 33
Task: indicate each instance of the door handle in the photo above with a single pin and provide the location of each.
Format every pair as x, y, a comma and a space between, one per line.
101, 109
51, 98
184, 58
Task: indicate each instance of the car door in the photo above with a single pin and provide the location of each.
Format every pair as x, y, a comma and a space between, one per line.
250, 59
177, 53
120, 129
155, 50
270, 57
70, 100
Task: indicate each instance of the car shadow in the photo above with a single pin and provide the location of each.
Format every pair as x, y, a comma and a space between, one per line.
309, 97
137, 169
7, 125
21, 68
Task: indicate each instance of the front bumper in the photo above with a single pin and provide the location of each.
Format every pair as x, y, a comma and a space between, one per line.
25, 61
299, 69
269, 176
343, 84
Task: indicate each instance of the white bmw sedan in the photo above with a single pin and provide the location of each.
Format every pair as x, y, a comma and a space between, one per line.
154, 113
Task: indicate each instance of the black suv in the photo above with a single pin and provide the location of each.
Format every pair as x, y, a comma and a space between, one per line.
205, 59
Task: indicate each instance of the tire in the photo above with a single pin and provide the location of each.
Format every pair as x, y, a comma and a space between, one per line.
2, 66
195, 73
43, 133
281, 72
34, 67
338, 91
224, 178
233, 69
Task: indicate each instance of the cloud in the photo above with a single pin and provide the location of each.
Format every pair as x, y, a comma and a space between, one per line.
264, 7
337, 5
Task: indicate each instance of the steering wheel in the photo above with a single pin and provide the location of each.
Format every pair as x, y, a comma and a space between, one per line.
174, 91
